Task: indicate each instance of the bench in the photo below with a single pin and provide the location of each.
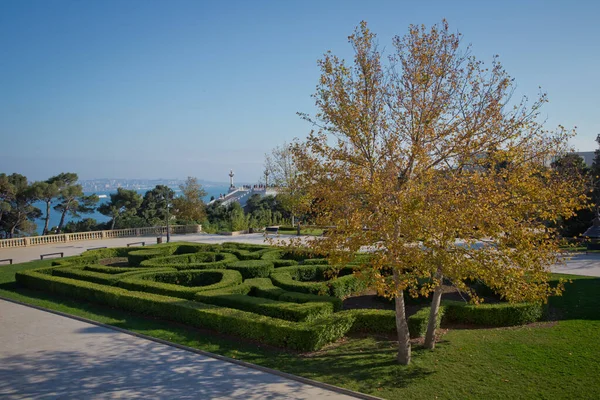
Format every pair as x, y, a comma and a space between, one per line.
7, 259
272, 229
134, 243
51, 254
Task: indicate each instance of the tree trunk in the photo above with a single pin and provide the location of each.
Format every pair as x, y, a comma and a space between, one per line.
45, 232
62, 221
404, 350
112, 225
434, 312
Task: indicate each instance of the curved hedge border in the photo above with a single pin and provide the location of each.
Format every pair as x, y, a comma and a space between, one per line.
252, 268
200, 260
238, 297
93, 256
244, 254
272, 255
315, 261
301, 336
136, 257
162, 282
313, 279
84, 273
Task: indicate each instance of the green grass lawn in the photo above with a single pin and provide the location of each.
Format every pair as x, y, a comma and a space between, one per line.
551, 360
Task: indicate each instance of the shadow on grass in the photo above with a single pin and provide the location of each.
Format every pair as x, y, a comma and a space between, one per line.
580, 300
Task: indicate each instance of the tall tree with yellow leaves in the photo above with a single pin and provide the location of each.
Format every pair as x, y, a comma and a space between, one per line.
425, 159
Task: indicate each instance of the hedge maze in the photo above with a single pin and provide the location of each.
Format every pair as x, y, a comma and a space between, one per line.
288, 300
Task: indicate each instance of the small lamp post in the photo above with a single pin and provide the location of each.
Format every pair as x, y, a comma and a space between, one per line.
266, 179
168, 218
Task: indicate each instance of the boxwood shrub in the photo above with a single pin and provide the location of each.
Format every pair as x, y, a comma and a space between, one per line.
252, 268
84, 273
184, 284
384, 321
245, 254
500, 314
284, 263
301, 336
315, 279
273, 308
272, 255
136, 257
263, 287
315, 261
201, 260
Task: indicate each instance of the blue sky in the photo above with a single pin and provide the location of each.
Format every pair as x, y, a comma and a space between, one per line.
167, 89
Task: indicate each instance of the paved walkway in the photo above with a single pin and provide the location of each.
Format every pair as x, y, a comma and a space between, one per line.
44, 355
579, 264
23, 254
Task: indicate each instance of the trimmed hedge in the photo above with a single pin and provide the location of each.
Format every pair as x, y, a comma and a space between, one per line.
245, 254
300, 336
184, 284
264, 306
245, 246
500, 314
252, 268
112, 270
136, 257
89, 275
315, 261
200, 260
272, 255
283, 263
384, 321
187, 248
313, 279
263, 287
93, 256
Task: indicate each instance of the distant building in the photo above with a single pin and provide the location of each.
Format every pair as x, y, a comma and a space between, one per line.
588, 157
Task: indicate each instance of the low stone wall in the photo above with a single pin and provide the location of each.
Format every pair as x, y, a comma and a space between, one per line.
116, 233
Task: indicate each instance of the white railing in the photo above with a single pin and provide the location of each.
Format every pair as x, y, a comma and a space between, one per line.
116, 233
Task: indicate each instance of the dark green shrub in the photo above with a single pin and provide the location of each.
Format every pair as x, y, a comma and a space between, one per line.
373, 321
501, 314
252, 268
300, 336
299, 254
417, 323
245, 254
200, 260
112, 270
136, 257
316, 279
272, 255
184, 284
187, 248
263, 287
315, 261
263, 306
245, 246
85, 274
284, 263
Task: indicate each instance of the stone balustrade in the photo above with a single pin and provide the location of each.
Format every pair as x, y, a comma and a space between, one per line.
116, 233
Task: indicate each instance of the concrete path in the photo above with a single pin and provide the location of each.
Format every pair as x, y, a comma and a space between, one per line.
23, 254
579, 264
47, 356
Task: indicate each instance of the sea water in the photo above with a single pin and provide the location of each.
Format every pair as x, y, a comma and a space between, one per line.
105, 198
